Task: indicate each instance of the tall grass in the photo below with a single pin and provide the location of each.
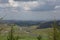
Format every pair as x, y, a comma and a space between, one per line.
11, 34
56, 31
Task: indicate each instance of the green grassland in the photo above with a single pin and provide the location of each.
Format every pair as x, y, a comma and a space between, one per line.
25, 33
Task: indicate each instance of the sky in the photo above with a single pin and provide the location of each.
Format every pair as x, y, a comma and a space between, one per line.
30, 9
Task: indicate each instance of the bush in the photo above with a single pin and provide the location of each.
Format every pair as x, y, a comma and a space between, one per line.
39, 37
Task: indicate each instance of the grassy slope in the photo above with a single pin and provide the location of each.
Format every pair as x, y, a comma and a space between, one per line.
26, 33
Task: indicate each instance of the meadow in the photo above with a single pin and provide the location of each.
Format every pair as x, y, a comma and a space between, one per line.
15, 32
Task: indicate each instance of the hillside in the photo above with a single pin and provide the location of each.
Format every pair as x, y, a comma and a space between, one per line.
41, 24
24, 33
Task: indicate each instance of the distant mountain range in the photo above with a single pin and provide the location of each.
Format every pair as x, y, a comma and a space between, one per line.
21, 23
41, 24
48, 24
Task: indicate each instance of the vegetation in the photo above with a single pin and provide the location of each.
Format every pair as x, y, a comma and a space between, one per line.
39, 37
15, 32
56, 33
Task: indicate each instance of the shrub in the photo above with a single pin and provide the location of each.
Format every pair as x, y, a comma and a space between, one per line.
39, 37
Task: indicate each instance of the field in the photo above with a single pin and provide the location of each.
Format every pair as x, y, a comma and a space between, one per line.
15, 32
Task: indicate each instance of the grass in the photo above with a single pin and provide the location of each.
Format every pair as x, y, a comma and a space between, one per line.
26, 33
23, 33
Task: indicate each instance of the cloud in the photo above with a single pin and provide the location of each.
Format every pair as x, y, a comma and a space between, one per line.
25, 0
4, 5
3, 1
58, 2
29, 5
34, 5
17, 10
57, 8
45, 6
37, 5
24, 5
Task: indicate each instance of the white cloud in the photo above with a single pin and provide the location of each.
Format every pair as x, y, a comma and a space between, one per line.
57, 8
12, 3
39, 4
29, 5
32, 5
24, 5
